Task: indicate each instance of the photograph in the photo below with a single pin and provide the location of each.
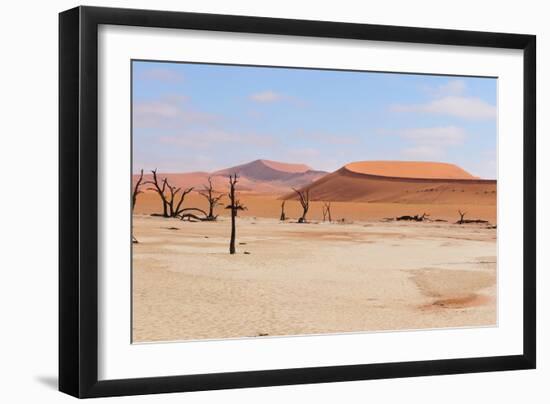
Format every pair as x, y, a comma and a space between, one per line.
272, 201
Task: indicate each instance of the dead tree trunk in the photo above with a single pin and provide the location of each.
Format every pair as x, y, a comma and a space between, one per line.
326, 211
283, 216
304, 201
175, 205
171, 205
160, 191
213, 200
137, 191
235, 206
462, 214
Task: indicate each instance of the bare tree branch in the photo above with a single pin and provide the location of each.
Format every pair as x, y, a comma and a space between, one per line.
178, 208
137, 191
304, 201
209, 193
160, 191
172, 198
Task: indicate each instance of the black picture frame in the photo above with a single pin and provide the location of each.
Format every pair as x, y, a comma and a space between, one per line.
78, 201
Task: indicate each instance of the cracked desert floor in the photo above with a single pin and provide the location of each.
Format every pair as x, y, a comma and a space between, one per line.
316, 278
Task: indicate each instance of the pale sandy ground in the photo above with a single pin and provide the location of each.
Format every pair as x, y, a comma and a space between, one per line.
308, 278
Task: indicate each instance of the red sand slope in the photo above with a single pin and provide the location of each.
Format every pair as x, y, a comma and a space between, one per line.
410, 169
400, 182
286, 167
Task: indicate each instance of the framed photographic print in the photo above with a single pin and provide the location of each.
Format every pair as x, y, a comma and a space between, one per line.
250, 201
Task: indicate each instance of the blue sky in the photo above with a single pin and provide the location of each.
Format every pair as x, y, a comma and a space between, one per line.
199, 117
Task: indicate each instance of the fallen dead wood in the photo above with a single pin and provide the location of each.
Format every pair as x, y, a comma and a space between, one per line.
415, 218
187, 214
467, 221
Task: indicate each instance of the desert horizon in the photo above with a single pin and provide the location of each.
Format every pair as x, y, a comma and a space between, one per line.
357, 191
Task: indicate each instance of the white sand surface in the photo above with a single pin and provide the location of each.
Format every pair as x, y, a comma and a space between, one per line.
289, 278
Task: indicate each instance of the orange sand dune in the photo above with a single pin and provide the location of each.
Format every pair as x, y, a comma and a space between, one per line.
355, 182
410, 169
354, 195
286, 167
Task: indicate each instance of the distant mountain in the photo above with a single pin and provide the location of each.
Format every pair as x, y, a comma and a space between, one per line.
402, 182
282, 175
363, 181
262, 176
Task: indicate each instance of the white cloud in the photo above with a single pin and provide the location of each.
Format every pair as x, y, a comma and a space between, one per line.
328, 138
486, 165
305, 152
209, 138
169, 112
161, 74
458, 106
452, 87
314, 158
423, 153
160, 109
266, 96
436, 136
449, 99
269, 97
429, 143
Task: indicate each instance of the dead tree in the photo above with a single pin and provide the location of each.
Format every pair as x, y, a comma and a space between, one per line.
468, 221
283, 216
326, 211
304, 201
172, 198
160, 191
192, 217
176, 210
415, 218
235, 206
213, 200
137, 191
